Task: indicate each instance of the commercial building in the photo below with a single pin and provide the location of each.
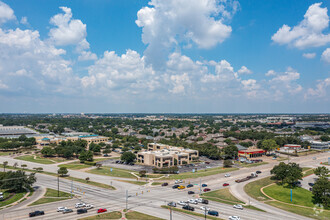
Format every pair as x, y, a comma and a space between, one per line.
16, 131
318, 145
251, 153
47, 140
161, 155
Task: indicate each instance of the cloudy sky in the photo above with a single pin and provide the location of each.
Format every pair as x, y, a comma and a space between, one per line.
164, 56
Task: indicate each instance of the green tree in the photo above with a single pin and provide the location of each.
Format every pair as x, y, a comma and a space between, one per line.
321, 171
142, 173
22, 138
230, 151
279, 171
4, 166
321, 192
48, 152
86, 156
18, 181
325, 138
128, 157
62, 171
287, 173
269, 145
227, 163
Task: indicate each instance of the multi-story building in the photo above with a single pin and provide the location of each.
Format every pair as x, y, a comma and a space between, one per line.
161, 155
318, 145
58, 139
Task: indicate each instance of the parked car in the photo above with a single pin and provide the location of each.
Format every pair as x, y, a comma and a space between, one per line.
178, 181
205, 201
205, 208
80, 205
212, 212
175, 186
190, 185
311, 184
67, 211
165, 184
191, 192
101, 210
81, 211
310, 189
238, 206
105, 155
89, 206
61, 209
188, 207
233, 217
227, 175
206, 189
173, 204
182, 203
181, 187
36, 213
204, 185
225, 184
258, 172
192, 201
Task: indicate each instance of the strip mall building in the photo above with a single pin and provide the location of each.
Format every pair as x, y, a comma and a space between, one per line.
251, 153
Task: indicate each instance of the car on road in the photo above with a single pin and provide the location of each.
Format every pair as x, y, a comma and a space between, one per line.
36, 213
258, 172
212, 212
191, 192
234, 217
175, 186
173, 204
188, 207
178, 181
81, 211
80, 205
204, 185
190, 185
204, 208
192, 201
165, 184
61, 209
206, 189
227, 175
181, 187
89, 206
311, 184
238, 206
182, 203
310, 189
225, 184
101, 210
67, 211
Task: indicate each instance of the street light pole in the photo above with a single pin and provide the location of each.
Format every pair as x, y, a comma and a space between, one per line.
170, 212
58, 185
126, 199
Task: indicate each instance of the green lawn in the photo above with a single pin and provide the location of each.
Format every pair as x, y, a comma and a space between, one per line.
12, 198
50, 196
140, 216
252, 164
190, 212
38, 159
140, 183
222, 195
156, 183
308, 172
75, 165
201, 173
116, 172
5, 153
300, 196
308, 212
109, 215
253, 188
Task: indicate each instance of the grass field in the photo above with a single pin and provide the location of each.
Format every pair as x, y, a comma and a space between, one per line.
109, 215
50, 196
140, 183
308, 212
201, 173
38, 159
253, 188
75, 165
223, 196
308, 172
190, 212
116, 172
140, 216
156, 183
12, 199
252, 164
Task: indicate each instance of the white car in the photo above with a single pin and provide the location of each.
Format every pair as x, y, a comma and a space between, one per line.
233, 217
227, 175
200, 200
89, 206
182, 203
238, 206
80, 205
178, 181
61, 209
192, 201
1, 197
204, 208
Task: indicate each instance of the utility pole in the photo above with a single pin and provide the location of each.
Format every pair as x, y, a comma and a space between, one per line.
200, 185
58, 185
170, 212
126, 199
71, 187
205, 212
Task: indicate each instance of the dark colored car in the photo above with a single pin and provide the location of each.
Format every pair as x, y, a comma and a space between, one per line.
188, 207
310, 189
205, 201
36, 213
258, 172
215, 213
191, 192
81, 211
206, 189
204, 185
225, 184
175, 186
165, 184
173, 204
67, 211
311, 184
190, 185
101, 210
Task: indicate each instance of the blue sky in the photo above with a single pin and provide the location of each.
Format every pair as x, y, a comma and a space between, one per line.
180, 56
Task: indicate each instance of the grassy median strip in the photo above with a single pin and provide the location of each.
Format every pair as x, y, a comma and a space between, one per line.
253, 189
156, 183
190, 212
252, 164
116, 172
109, 215
12, 198
38, 159
75, 165
51, 195
201, 173
140, 216
140, 183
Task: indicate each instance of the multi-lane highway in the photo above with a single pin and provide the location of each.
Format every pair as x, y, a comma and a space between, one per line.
149, 199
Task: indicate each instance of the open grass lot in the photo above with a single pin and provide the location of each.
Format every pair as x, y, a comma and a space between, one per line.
201, 173
52, 196
38, 159
190, 212
140, 216
253, 188
116, 172
300, 196
109, 215
11, 198
222, 195
308, 212
5, 153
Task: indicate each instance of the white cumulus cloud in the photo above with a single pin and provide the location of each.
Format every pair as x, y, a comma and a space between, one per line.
326, 55
244, 70
309, 55
320, 90
6, 13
